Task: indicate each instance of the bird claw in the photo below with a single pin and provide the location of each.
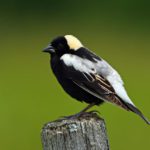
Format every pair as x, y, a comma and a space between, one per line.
94, 111
78, 115
75, 116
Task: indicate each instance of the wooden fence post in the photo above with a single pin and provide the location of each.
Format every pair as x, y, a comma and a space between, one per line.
85, 133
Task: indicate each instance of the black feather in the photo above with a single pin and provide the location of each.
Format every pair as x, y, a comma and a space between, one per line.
138, 112
89, 86
85, 53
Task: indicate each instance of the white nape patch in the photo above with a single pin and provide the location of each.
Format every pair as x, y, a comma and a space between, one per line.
73, 42
80, 64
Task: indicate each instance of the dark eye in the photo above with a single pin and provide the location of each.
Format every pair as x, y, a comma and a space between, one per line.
60, 46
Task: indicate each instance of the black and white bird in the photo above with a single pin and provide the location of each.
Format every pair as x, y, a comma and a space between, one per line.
86, 76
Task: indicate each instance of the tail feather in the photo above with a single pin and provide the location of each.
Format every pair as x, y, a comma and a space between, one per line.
138, 112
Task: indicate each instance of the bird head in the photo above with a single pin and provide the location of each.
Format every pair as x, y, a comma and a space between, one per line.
63, 44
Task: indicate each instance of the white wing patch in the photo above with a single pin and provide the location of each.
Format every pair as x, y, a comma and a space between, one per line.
101, 67
78, 63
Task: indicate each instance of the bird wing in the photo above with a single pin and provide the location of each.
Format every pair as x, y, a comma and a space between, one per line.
99, 79
85, 75
106, 71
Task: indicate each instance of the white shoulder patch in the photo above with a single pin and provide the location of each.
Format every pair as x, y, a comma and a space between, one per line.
73, 42
78, 63
101, 67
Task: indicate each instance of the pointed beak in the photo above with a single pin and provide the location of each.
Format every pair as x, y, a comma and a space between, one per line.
49, 49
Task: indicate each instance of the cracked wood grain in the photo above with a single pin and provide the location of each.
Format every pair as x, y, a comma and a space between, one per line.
85, 133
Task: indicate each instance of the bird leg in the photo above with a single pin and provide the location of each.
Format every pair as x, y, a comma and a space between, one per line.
80, 113
86, 108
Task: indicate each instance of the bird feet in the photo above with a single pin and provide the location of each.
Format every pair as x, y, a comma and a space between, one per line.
80, 115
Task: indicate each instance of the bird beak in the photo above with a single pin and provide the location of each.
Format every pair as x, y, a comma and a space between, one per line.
49, 49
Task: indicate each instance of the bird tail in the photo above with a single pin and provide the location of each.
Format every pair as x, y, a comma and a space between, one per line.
138, 112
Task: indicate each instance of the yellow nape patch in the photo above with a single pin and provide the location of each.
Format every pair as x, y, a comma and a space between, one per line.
73, 42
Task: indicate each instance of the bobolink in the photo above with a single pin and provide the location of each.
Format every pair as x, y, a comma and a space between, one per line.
86, 76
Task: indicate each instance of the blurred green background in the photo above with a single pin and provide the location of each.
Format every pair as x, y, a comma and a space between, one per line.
30, 96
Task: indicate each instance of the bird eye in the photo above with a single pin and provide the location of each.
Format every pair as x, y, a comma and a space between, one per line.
60, 46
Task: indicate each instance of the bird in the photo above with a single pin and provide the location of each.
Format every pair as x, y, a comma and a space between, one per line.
87, 77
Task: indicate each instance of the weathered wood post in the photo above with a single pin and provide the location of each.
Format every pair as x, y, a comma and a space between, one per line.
85, 133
